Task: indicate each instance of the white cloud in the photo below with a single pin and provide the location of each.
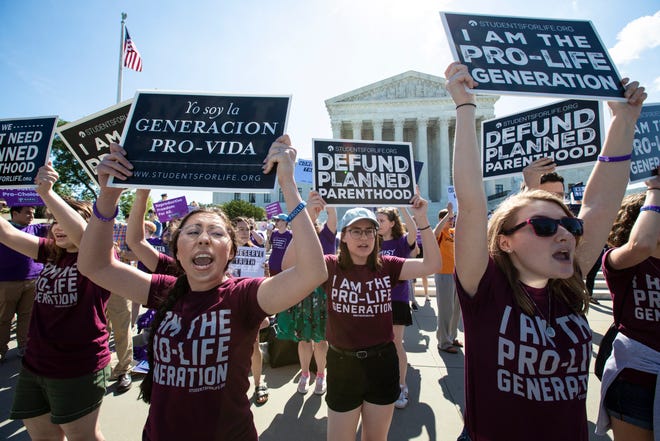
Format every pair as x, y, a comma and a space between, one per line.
637, 36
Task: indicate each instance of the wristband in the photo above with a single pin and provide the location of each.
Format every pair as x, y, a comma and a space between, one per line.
603, 158
466, 104
653, 188
650, 208
425, 228
300, 207
102, 218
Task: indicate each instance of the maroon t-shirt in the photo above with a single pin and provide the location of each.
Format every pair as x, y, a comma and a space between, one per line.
202, 351
520, 383
68, 336
360, 303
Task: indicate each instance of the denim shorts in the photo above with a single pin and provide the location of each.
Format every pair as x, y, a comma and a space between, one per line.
631, 403
352, 380
66, 399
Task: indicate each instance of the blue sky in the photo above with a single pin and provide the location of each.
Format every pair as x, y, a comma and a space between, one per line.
61, 57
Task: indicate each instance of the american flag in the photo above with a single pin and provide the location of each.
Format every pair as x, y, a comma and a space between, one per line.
132, 58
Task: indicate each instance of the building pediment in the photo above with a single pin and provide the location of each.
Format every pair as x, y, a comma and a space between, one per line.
409, 85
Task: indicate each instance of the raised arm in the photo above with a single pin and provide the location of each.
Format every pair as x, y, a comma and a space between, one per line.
135, 240
69, 220
643, 240
442, 222
533, 172
18, 240
411, 226
432, 261
289, 287
96, 258
607, 182
471, 245
331, 222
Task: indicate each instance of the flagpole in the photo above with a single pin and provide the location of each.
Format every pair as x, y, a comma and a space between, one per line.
121, 56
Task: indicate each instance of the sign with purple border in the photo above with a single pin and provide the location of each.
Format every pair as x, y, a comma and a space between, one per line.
169, 209
21, 197
273, 209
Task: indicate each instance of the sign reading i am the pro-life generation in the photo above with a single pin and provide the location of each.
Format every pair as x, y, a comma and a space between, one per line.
531, 56
364, 173
569, 132
646, 145
202, 141
24, 147
89, 138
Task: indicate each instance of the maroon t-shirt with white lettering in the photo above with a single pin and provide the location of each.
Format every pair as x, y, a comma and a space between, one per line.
202, 351
520, 383
360, 303
68, 334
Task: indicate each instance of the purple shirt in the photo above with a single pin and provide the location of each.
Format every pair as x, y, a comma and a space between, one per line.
17, 266
159, 246
202, 353
328, 240
360, 303
68, 336
399, 248
279, 243
520, 383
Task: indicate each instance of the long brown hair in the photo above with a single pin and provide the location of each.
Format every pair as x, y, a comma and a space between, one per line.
180, 288
571, 291
625, 219
392, 214
84, 209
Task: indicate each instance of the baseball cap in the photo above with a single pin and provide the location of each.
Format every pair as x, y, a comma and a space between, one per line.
281, 216
355, 214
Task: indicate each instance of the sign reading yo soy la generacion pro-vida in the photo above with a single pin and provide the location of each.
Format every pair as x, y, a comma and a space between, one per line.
363, 173
646, 145
533, 56
89, 138
24, 147
569, 132
202, 141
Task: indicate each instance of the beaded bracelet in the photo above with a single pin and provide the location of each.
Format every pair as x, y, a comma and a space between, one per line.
650, 208
466, 104
300, 207
102, 218
603, 158
425, 228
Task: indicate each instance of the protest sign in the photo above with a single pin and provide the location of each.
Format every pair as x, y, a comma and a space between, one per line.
451, 198
273, 209
646, 145
364, 173
531, 56
89, 138
569, 132
20, 197
202, 141
171, 209
248, 262
419, 165
24, 147
303, 171
577, 191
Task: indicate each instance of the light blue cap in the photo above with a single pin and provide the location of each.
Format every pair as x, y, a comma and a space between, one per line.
355, 214
281, 216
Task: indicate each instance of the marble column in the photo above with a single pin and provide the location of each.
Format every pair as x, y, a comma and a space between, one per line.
336, 128
357, 129
423, 155
378, 129
398, 129
445, 166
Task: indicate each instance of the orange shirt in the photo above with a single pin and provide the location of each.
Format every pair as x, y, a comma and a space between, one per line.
446, 244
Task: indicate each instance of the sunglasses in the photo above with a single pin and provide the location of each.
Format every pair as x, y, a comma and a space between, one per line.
547, 227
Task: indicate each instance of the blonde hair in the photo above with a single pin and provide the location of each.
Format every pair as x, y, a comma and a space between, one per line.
572, 291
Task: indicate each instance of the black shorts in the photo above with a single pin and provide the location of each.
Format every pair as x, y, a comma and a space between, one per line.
352, 381
401, 314
629, 402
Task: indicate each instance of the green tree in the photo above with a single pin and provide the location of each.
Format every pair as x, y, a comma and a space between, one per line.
238, 208
73, 179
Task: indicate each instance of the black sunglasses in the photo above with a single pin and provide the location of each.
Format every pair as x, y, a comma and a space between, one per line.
546, 227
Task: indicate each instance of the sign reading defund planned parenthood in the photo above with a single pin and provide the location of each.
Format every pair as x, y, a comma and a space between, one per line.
533, 56
646, 145
89, 138
24, 147
363, 173
202, 141
569, 132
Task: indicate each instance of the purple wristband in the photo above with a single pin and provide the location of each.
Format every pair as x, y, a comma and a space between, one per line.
102, 218
603, 158
650, 208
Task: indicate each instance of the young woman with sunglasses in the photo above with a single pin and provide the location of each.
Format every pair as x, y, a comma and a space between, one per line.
519, 281
629, 388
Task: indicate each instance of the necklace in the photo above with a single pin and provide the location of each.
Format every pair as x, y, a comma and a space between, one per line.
549, 330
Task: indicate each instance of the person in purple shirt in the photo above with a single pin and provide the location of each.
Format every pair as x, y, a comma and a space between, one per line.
397, 242
279, 240
630, 399
18, 274
65, 368
519, 282
203, 333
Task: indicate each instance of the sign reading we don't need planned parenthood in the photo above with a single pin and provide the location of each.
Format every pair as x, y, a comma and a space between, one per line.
533, 56
202, 141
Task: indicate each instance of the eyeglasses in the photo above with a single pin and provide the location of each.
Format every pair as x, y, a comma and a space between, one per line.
357, 233
547, 227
